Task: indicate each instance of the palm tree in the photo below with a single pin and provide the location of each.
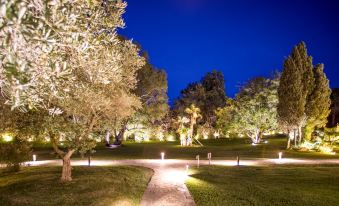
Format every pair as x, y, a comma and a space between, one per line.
194, 112
182, 130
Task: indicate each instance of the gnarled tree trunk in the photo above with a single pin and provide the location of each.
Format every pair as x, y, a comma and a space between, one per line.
66, 175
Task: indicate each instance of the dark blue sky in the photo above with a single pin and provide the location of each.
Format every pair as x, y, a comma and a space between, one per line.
241, 38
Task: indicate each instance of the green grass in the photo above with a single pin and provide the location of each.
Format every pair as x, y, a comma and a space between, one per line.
262, 186
220, 148
40, 186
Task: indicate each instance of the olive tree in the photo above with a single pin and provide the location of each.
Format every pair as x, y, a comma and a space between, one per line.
65, 57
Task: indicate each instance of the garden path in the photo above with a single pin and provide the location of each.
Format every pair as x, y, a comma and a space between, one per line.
167, 186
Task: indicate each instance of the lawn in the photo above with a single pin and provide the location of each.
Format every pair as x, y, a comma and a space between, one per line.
220, 149
120, 185
274, 185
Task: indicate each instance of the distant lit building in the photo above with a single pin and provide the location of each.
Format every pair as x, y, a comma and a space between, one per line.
333, 119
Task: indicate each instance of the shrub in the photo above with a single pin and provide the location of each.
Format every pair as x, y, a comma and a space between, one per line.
14, 153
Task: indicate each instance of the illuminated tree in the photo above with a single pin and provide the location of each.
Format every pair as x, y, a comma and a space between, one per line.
194, 113
318, 106
253, 111
296, 83
304, 95
65, 57
151, 88
182, 130
208, 95
215, 95
225, 117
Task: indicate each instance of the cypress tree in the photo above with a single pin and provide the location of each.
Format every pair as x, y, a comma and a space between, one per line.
318, 106
296, 84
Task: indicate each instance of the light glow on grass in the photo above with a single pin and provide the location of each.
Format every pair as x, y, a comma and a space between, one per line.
170, 138
327, 150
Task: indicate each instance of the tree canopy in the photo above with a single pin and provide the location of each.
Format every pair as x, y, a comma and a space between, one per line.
253, 111
304, 94
208, 95
65, 57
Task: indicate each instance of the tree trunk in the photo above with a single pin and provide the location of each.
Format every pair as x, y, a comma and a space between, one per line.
189, 143
66, 169
107, 137
259, 137
300, 135
120, 136
66, 175
288, 140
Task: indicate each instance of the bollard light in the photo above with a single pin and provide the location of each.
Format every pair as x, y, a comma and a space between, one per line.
162, 155
280, 155
187, 166
34, 158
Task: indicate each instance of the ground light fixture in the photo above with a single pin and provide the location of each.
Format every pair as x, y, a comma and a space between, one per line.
34, 158
162, 155
280, 155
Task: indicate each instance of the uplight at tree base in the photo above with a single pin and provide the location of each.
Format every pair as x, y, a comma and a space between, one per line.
7, 137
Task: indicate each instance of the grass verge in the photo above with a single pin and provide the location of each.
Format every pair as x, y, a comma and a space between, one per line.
274, 185
40, 186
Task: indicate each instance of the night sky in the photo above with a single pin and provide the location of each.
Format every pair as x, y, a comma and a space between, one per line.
243, 39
